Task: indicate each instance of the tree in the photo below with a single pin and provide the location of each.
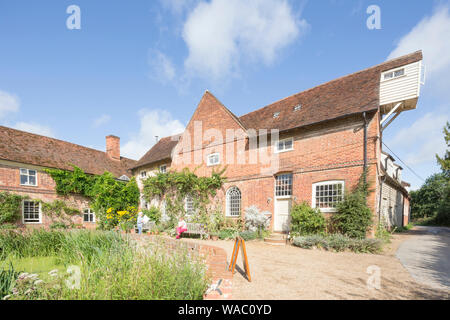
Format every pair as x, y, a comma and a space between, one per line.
445, 162
426, 201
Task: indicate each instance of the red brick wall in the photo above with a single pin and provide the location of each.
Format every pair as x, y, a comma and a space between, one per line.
328, 151
44, 191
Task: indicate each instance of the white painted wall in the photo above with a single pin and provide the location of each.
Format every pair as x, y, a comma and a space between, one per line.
402, 88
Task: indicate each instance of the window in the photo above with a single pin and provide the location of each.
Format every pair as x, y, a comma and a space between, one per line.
88, 215
233, 202
31, 212
163, 169
394, 74
28, 177
276, 114
189, 205
283, 185
326, 195
297, 107
144, 203
213, 159
285, 145
143, 174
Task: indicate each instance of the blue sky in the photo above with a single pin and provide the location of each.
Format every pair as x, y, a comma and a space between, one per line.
138, 68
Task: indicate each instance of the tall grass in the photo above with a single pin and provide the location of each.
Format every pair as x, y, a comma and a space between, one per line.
111, 267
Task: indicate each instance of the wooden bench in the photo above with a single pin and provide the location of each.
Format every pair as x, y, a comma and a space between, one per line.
195, 228
146, 226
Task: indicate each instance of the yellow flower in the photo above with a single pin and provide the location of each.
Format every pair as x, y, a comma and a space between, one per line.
109, 210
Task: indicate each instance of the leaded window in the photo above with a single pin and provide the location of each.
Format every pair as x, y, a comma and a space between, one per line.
283, 185
233, 202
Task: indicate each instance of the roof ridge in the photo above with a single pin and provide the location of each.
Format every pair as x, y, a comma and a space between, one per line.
333, 80
74, 144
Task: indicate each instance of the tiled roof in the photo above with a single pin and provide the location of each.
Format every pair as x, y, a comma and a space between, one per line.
162, 150
29, 148
351, 94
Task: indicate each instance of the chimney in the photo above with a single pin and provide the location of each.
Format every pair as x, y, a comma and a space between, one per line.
113, 147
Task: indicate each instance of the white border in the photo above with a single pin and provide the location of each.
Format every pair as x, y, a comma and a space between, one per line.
208, 162
28, 174
285, 150
23, 212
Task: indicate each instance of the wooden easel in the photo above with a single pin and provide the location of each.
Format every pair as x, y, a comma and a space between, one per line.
239, 242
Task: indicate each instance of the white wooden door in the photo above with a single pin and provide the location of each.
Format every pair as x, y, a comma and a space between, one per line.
282, 214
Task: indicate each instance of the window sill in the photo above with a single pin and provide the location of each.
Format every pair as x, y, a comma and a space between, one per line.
283, 151
28, 185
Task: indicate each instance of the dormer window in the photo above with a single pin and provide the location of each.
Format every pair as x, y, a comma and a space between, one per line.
297, 107
276, 114
213, 159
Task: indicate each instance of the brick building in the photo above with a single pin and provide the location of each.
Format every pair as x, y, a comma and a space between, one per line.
24, 156
318, 143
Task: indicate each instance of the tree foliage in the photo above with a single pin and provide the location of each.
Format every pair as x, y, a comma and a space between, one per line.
445, 162
426, 201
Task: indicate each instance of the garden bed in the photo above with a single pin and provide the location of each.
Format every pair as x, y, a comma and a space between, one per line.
95, 265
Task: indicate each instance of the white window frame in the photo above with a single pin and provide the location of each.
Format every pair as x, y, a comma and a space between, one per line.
277, 145
186, 200
292, 186
208, 159
23, 213
90, 212
393, 74
228, 205
322, 183
28, 177
161, 168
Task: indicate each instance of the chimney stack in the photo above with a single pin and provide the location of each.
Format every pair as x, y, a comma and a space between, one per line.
113, 147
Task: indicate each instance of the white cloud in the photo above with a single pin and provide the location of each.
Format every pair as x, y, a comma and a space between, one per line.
420, 142
34, 128
103, 119
221, 33
8, 103
162, 68
431, 35
153, 123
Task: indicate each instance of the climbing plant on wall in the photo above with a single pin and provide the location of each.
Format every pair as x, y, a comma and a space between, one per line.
173, 188
103, 190
9, 207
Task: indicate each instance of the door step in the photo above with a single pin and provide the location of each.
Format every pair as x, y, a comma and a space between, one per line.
279, 239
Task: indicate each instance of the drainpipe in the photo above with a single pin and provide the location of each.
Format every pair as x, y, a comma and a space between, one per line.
365, 146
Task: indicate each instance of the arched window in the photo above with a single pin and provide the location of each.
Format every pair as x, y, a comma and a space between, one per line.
233, 202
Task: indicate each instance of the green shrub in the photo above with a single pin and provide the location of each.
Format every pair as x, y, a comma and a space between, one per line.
339, 243
227, 234
354, 217
153, 213
248, 235
383, 233
59, 225
306, 220
8, 226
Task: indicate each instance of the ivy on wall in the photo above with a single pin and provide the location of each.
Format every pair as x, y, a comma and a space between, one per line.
173, 188
103, 190
59, 212
10, 205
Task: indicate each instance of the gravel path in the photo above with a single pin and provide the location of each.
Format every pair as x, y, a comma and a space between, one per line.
289, 272
426, 255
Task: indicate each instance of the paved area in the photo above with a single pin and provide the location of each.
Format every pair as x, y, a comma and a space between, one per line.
290, 272
426, 255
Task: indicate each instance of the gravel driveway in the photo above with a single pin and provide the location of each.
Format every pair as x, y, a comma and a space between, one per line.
289, 272
426, 255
